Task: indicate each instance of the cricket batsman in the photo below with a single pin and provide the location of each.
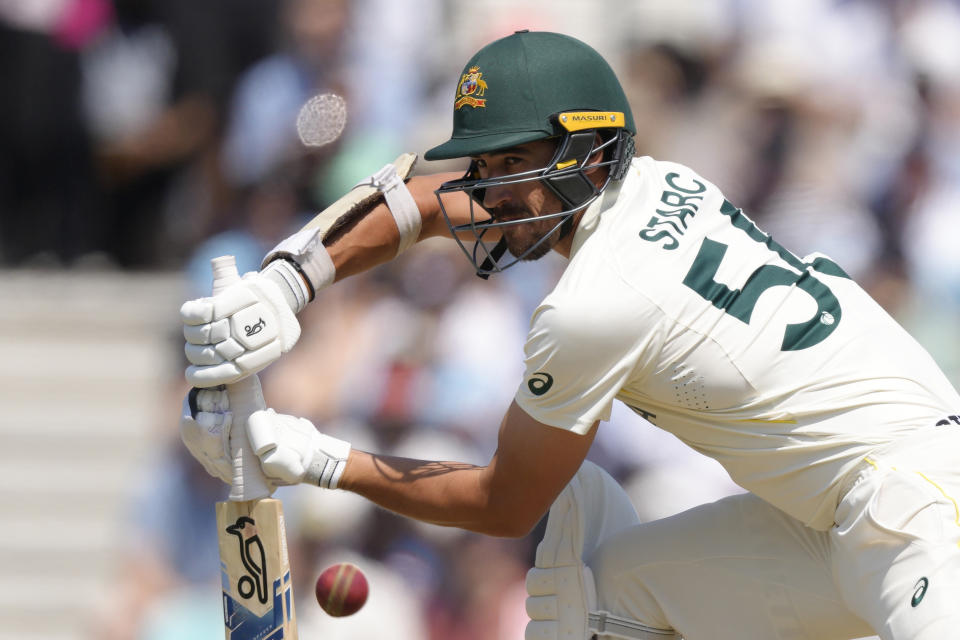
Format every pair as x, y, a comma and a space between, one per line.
841, 427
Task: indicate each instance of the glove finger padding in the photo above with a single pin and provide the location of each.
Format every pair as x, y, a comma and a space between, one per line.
214, 400
223, 305
211, 376
283, 464
202, 355
291, 450
215, 423
238, 332
206, 433
205, 334
197, 312
207, 354
262, 430
231, 371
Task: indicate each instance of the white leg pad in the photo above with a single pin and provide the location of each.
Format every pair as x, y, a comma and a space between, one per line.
558, 601
589, 510
562, 602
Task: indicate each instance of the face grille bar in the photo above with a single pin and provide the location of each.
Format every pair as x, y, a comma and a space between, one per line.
486, 260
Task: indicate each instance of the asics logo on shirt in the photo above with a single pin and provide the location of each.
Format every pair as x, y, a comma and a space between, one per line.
540, 383
920, 590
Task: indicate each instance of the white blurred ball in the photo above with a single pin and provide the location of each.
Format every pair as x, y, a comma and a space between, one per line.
321, 119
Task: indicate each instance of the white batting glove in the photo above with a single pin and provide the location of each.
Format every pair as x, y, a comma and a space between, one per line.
291, 450
239, 331
205, 428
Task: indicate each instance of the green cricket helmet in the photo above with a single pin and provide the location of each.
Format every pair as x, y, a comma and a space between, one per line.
533, 86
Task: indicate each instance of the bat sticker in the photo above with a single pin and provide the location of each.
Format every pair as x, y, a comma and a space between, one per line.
253, 557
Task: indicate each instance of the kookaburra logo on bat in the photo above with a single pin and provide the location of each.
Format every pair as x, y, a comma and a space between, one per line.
253, 557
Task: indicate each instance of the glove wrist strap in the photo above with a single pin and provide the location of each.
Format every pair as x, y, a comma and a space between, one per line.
329, 461
286, 276
325, 472
307, 255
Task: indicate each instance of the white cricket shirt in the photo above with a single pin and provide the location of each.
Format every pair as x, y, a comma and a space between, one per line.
781, 368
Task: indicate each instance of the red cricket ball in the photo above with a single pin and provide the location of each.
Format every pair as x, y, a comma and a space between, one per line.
342, 589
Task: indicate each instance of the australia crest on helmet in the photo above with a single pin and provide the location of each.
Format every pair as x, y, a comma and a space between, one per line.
471, 88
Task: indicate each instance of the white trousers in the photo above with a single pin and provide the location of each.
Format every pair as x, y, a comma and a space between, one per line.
741, 569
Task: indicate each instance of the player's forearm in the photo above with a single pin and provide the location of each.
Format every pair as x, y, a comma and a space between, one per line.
373, 239
451, 494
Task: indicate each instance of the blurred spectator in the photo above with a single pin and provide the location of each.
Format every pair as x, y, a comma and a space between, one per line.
172, 552
803, 191
48, 207
156, 91
262, 214
387, 85
930, 35
261, 134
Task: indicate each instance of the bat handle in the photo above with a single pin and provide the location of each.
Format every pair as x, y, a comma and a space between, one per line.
246, 396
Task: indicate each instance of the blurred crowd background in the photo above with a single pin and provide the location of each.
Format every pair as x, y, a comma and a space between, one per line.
140, 138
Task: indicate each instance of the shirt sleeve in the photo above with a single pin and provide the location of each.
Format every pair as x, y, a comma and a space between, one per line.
581, 351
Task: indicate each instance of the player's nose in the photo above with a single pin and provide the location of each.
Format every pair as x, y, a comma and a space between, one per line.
496, 196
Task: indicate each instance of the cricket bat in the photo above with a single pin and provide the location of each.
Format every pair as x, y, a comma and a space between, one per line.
254, 564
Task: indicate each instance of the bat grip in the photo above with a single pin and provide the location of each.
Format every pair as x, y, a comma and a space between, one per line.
246, 396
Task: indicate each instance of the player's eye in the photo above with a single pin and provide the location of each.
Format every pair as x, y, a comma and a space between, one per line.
513, 162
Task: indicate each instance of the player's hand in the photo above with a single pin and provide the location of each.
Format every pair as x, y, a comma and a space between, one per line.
237, 332
205, 428
291, 450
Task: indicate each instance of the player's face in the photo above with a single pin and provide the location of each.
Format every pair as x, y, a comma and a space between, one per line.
529, 199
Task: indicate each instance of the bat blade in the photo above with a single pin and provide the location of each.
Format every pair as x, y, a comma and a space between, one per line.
255, 571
